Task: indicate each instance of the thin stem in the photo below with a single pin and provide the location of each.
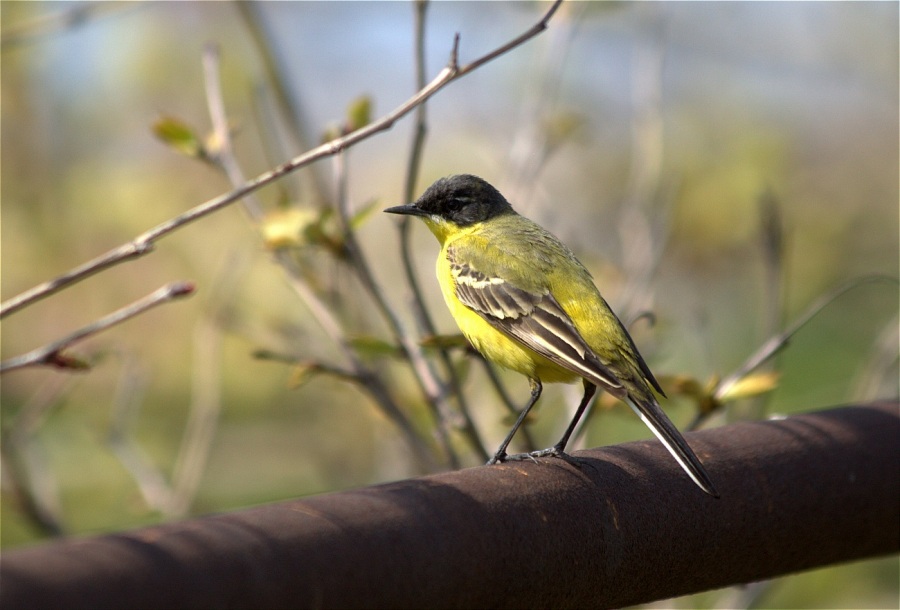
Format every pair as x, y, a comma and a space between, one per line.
203, 418
420, 311
29, 482
143, 244
222, 151
776, 343
435, 395
290, 108
57, 22
51, 354
367, 379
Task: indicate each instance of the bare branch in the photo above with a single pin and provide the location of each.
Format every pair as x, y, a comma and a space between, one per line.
203, 418
222, 149
777, 342
57, 22
287, 103
143, 244
129, 396
420, 311
52, 353
362, 375
24, 469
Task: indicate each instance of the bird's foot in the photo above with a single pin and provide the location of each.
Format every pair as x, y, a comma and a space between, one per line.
499, 458
521, 457
504, 457
555, 452
533, 456
548, 452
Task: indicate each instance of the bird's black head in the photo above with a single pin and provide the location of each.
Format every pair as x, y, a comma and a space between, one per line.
463, 200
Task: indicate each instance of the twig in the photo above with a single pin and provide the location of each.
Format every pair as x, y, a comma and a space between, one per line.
718, 392
420, 311
225, 159
152, 484
420, 131
308, 366
642, 240
58, 21
776, 343
143, 244
534, 141
203, 418
365, 377
771, 233
878, 375
772, 246
291, 110
51, 354
29, 481
221, 152
421, 125
46, 517
430, 385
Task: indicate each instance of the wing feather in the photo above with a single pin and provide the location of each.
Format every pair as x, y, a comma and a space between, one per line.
534, 319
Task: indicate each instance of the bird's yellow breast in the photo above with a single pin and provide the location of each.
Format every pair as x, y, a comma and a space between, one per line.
493, 344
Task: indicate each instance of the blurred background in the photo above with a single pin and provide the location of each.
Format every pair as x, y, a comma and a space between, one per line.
723, 165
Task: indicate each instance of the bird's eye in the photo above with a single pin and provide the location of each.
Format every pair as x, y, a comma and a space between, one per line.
458, 203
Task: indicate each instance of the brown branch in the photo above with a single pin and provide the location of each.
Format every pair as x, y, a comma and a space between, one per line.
420, 311
366, 378
52, 353
57, 22
143, 244
780, 340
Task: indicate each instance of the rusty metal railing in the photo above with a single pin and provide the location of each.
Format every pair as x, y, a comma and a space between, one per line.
623, 526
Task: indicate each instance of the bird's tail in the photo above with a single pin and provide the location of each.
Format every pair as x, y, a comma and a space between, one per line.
655, 418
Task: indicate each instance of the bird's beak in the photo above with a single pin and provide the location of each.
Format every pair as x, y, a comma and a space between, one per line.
409, 209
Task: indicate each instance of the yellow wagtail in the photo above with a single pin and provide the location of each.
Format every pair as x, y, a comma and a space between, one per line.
525, 302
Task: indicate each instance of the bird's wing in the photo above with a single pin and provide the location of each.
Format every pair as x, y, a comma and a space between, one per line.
534, 318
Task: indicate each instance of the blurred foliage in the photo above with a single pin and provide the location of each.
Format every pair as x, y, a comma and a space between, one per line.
794, 100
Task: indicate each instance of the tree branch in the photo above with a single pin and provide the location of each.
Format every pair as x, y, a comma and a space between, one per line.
143, 244
51, 354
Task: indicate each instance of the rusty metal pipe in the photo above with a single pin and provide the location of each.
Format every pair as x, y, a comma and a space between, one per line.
622, 527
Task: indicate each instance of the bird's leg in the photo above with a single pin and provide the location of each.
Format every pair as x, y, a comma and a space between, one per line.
558, 449
501, 456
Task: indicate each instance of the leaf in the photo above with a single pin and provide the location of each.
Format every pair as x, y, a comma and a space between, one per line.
751, 385
267, 354
67, 361
701, 394
456, 341
302, 373
682, 385
179, 136
332, 132
374, 347
562, 127
363, 214
359, 113
290, 228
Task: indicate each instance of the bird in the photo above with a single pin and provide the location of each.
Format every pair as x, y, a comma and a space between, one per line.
525, 302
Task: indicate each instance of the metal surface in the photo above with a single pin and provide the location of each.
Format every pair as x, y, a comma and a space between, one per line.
624, 526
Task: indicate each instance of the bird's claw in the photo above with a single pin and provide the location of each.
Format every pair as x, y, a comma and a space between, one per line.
532, 455
497, 459
520, 457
